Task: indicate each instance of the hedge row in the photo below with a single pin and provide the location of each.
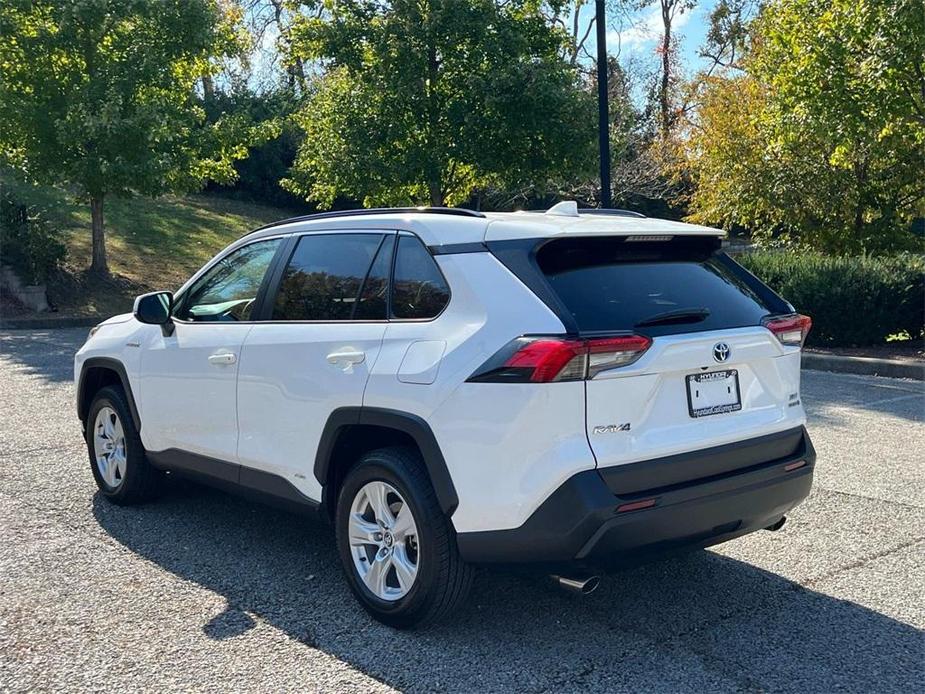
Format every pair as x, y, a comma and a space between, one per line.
853, 301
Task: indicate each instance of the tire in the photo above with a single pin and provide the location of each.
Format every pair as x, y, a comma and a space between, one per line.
127, 479
441, 581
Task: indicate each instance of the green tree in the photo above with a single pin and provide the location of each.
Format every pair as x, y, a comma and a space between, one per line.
427, 100
825, 134
99, 95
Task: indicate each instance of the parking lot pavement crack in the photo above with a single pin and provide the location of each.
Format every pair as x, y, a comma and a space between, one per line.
677, 637
745, 682
892, 502
858, 563
726, 663
726, 668
572, 678
794, 588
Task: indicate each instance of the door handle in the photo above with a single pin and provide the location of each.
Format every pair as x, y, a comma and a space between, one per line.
346, 358
223, 358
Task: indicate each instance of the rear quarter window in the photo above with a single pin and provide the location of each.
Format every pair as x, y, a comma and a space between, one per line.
419, 291
611, 284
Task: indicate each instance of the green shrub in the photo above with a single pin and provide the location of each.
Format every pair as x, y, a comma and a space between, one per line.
853, 300
28, 243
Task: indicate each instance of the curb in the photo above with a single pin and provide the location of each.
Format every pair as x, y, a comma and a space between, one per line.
47, 323
866, 366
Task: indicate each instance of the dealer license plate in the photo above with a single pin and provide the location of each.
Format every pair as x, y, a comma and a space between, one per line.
713, 392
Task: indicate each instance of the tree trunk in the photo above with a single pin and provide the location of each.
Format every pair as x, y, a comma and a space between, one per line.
436, 195
860, 176
99, 264
666, 68
296, 74
434, 172
208, 88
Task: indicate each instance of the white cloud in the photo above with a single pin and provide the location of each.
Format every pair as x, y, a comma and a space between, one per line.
646, 28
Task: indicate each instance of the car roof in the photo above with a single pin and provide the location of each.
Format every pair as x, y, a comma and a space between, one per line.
531, 225
447, 227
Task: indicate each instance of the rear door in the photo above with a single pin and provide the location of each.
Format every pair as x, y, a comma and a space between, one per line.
314, 353
712, 375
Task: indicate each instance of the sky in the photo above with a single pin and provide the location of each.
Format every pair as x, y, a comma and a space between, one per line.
639, 33
635, 36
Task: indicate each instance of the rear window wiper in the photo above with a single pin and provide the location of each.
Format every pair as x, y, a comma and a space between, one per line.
681, 315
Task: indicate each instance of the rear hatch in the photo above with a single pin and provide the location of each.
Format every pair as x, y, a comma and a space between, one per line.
709, 372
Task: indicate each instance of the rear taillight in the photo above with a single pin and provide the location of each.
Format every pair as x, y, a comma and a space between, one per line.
554, 359
609, 352
790, 330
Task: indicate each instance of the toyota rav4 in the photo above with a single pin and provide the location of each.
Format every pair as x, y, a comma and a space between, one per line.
575, 389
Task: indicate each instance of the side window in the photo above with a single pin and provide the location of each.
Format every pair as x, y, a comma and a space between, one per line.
373, 302
419, 290
323, 278
227, 292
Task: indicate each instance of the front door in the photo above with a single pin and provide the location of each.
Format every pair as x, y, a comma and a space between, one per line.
315, 352
188, 378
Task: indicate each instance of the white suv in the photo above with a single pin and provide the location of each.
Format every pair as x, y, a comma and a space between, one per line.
576, 389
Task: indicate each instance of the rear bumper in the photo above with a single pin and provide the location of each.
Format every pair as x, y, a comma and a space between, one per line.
579, 522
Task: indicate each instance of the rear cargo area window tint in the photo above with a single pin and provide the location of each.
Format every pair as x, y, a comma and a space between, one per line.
611, 284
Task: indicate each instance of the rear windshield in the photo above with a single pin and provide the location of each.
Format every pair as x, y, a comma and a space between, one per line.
654, 288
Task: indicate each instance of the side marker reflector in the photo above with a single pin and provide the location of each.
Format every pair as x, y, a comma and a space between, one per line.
794, 466
636, 505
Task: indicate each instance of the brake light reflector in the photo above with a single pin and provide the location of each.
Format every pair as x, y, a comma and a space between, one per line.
790, 330
553, 359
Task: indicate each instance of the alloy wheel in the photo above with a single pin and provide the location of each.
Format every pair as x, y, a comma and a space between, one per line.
383, 539
109, 447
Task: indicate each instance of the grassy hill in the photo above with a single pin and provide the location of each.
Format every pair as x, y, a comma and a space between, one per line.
152, 244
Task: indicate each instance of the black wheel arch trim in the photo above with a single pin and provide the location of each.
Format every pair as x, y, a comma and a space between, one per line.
112, 365
412, 425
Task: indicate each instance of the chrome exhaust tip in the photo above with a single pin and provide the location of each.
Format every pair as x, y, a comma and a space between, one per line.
774, 527
582, 585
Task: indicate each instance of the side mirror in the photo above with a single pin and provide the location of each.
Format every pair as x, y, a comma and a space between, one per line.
154, 309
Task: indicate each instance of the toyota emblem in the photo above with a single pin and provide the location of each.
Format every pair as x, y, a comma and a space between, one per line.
721, 352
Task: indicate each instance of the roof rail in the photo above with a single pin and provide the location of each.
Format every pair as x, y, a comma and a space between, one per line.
455, 211
605, 212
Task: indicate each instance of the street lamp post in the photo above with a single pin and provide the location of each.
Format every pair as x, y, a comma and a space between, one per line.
603, 116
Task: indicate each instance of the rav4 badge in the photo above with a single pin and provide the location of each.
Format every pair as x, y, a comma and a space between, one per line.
611, 428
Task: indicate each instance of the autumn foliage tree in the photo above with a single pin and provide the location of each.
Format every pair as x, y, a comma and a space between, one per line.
823, 135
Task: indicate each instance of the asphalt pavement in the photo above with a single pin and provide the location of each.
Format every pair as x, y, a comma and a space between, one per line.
207, 592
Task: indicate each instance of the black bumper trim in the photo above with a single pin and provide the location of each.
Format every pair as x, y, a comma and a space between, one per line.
578, 522
650, 477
